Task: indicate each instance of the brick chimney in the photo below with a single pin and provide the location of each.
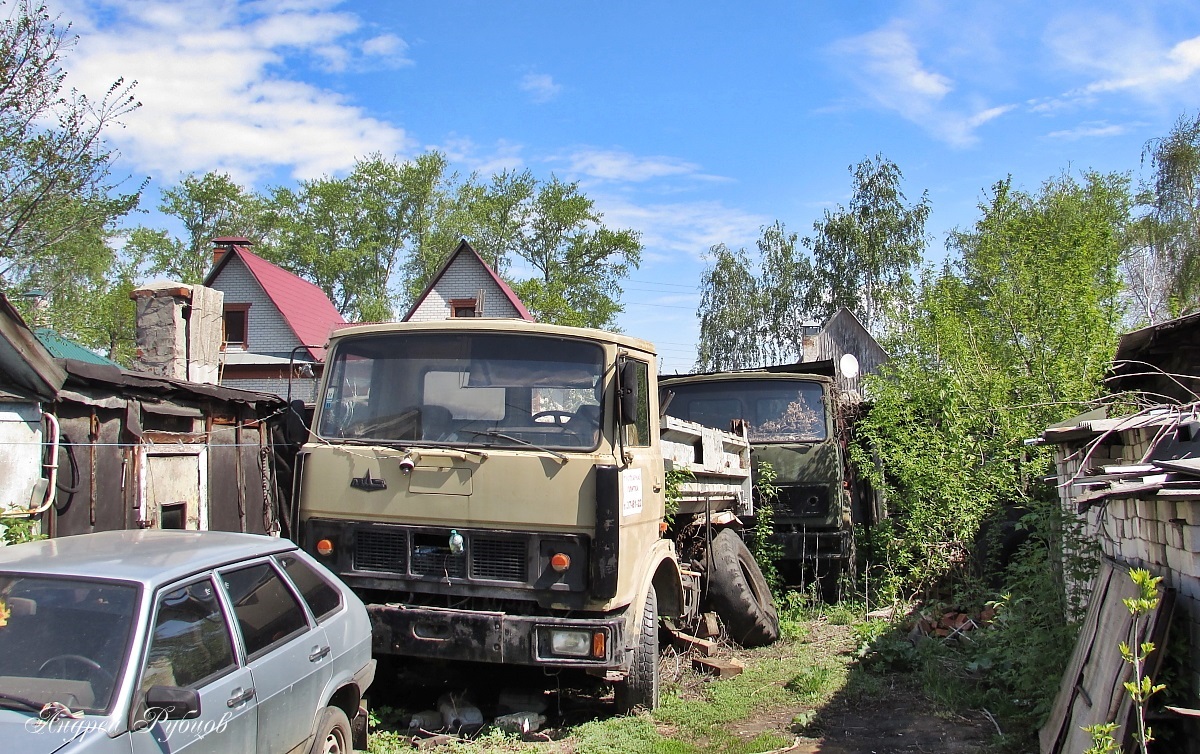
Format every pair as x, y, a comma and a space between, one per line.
225, 244
179, 331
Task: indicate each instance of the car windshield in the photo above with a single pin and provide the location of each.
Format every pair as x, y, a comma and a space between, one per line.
62, 640
464, 389
775, 410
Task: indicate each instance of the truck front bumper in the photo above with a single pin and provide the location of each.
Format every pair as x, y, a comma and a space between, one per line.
477, 636
813, 545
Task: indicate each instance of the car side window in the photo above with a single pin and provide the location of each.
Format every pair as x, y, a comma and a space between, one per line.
322, 597
267, 613
191, 643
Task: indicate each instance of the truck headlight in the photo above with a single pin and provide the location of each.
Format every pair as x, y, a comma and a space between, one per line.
571, 643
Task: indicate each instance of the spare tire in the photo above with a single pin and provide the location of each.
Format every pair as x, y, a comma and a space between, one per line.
738, 592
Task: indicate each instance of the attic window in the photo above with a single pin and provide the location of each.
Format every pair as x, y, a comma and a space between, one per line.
462, 307
236, 320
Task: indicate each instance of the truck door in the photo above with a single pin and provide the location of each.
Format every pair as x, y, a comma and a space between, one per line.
642, 466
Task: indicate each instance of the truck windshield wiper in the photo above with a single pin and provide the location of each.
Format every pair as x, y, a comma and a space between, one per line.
519, 441
12, 701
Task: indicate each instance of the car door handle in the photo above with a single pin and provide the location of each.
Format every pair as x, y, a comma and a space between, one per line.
241, 698
318, 654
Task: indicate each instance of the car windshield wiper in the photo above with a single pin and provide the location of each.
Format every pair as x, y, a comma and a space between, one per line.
519, 441
12, 701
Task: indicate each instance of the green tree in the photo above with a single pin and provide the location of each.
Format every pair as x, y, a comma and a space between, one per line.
1172, 229
208, 206
730, 313
497, 214
861, 257
864, 255
1014, 334
59, 201
580, 262
355, 237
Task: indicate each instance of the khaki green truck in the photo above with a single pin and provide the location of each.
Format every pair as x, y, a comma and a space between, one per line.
799, 425
496, 491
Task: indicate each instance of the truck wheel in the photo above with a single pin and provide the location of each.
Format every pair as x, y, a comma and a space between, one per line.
640, 687
333, 733
738, 592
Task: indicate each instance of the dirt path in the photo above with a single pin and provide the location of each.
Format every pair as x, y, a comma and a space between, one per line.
888, 715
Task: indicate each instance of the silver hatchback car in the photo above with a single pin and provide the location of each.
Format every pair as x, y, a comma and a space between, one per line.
157, 641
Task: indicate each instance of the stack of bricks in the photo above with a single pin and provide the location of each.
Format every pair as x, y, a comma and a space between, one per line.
1144, 531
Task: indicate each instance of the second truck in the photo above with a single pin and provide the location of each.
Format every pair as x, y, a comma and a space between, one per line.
800, 426
507, 492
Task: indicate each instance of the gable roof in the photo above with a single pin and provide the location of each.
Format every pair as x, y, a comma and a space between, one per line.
464, 248
61, 347
24, 362
304, 306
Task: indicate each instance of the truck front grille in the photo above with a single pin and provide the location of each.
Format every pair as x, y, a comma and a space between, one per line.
381, 550
394, 549
799, 501
499, 560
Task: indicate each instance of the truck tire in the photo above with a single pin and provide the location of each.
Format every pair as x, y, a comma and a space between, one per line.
640, 687
738, 592
333, 733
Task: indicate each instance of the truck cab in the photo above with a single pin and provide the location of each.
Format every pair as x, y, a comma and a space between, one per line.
794, 428
494, 490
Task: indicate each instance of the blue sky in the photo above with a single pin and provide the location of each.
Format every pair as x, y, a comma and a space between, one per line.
694, 123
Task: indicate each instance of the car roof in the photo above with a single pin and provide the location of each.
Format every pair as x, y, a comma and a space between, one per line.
149, 556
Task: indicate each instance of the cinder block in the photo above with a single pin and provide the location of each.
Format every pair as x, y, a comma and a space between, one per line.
1146, 509
1158, 555
1174, 537
1189, 592
1176, 560
1191, 537
1166, 510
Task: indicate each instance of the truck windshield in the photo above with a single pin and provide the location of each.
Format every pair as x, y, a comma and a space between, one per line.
481, 389
775, 410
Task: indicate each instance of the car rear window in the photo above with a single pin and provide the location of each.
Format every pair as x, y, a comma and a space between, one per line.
322, 597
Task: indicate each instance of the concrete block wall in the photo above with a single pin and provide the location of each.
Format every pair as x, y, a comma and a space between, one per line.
1160, 535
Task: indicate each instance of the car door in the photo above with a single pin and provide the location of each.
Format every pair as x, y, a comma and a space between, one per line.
288, 656
191, 645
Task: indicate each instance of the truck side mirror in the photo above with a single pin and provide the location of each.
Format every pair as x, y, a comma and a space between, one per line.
295, 431
627, 395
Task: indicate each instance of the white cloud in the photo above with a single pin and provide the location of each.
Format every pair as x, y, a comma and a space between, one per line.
1089, 131
886, 65
687, 227
389, 47
1153, 70
463, 151
541, 87
612, 165
214, 85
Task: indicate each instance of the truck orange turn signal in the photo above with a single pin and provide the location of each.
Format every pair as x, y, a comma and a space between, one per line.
598, 644
560, 561
325, 548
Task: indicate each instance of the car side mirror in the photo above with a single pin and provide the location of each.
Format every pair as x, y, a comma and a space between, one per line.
172, 703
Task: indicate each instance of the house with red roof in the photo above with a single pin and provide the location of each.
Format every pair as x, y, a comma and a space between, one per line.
466, 286
276, 324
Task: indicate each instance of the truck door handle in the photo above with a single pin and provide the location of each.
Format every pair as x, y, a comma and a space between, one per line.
318, 654
241, 698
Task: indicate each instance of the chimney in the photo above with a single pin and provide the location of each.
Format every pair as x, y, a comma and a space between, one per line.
178, 331
225, 244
